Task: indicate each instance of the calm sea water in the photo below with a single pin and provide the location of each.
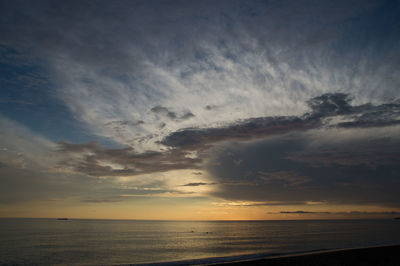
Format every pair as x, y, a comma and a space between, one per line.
50, 241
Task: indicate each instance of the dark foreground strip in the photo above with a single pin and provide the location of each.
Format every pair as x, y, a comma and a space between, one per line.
385, 256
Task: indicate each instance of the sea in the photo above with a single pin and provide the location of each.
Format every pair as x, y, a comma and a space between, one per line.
121, 242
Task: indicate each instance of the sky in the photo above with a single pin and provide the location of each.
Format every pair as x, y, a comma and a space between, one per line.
200, 110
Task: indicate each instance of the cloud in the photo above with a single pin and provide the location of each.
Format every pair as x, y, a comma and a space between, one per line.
303, 212
290, 160
338, 167
29, 173
375, 116
32, 168
177, 84
370, 155
197, 173
124, 123
95, 160
283, 160
163, 110
210, 107
324, 109
104, 200
248, 60
196, 184
330, 104
287, 177
243, 130
21, 147
172, 115
187, 115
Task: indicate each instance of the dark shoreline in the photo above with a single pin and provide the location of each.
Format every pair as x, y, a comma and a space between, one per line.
368, 256
383, 255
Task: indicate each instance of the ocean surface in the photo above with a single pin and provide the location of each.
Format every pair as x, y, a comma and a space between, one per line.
93, 242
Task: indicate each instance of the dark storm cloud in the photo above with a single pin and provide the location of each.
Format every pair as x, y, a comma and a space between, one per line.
286, 177
325, 106
370, 154
287, 169
244, 130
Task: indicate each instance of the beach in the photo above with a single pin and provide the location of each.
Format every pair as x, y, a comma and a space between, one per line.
385, 255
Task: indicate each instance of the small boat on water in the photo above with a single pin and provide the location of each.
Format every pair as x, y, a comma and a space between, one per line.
62, 219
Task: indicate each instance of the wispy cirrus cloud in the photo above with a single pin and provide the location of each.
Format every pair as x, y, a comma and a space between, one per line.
191, 58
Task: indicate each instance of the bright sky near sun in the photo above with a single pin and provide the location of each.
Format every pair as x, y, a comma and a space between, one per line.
200, 109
